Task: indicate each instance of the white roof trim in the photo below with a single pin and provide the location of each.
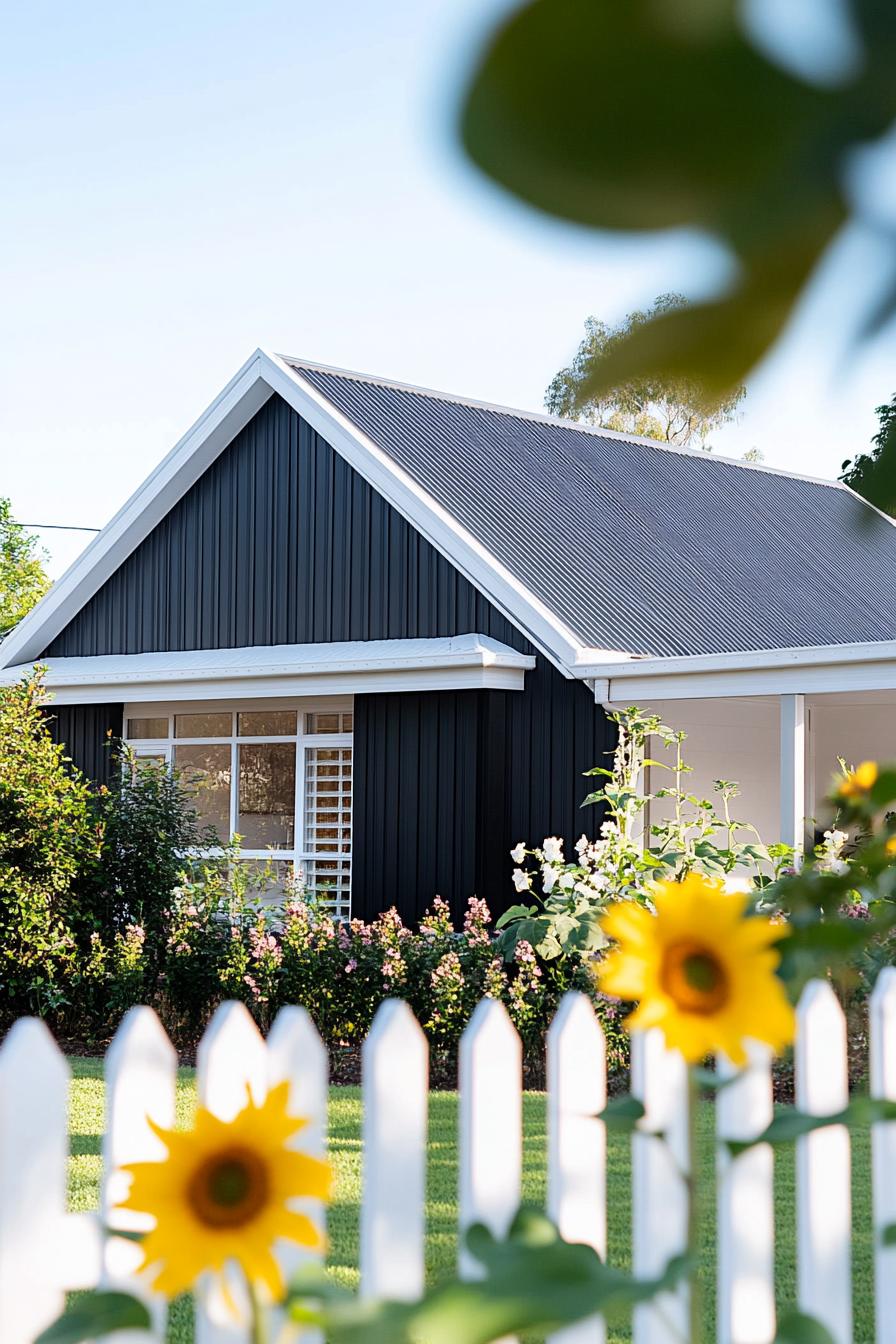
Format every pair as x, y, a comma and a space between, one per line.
819, 669
262, 375
463, 662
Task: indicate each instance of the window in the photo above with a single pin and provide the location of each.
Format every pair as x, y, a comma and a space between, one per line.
280, 778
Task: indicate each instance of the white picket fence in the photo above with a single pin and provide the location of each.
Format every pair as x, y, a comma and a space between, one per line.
45, 1250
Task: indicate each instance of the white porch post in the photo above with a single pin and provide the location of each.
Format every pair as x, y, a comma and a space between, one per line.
794, 778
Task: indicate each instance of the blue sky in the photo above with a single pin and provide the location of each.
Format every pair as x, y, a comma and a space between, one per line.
183, 183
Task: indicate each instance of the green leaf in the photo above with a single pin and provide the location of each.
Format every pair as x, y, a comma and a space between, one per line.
621, 1114
888, 1235
796, 1328
533, 1281
792, 1124
94, 1315
515, 912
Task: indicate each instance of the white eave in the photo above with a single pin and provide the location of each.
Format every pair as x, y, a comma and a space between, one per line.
464, 662
815, 669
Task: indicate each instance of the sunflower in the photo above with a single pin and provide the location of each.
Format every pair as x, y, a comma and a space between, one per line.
701, 968
222, 1195
858, 782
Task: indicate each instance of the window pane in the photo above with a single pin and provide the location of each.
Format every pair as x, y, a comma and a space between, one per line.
142, 728
267, 795
206, 775
268, 723
328, 723
150, 761
203, 725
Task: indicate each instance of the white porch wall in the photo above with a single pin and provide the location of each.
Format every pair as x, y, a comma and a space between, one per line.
735, 739
857, 730
738, 738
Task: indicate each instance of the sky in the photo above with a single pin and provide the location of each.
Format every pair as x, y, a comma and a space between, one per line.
186, 182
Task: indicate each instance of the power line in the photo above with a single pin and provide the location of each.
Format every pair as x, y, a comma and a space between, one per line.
59, 527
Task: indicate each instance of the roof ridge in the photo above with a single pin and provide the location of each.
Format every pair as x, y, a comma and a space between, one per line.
541, 417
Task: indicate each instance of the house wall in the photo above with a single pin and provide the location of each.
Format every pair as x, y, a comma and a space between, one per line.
734, 739
85, 730
281, 541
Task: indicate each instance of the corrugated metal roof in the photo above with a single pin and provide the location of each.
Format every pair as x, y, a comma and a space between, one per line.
638, 546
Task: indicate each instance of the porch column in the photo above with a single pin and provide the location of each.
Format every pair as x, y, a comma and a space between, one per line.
794, 778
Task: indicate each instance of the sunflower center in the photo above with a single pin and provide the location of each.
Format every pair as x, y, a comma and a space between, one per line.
694, 978
229, 1188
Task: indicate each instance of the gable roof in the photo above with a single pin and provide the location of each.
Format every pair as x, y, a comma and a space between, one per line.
635, 545
598, 546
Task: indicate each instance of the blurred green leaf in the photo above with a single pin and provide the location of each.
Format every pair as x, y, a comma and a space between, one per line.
94, 1315
621, 1114
533, 1281
794, 1124
797, 1328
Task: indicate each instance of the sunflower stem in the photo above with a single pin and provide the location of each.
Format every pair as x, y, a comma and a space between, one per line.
695, 1211
258, 1324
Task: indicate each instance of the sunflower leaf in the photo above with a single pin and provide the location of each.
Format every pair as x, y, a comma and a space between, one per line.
795, 1327
532, 1281
793, 1124
97, 1314
621, 1114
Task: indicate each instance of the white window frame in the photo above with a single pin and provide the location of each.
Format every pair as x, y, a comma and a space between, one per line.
299, 854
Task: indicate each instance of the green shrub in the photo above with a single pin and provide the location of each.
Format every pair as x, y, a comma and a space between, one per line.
48, 836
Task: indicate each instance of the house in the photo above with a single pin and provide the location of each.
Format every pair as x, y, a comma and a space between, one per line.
384, 625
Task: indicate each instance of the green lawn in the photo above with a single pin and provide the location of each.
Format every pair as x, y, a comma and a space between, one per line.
345, 1151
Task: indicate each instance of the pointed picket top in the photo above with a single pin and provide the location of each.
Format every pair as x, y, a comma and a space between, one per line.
297, 1055
395, 1068
231, 1065
141, 1077
34, 1079
745, 1203
824, 1262
230, 1059
490, 1129
882, 1015
577, 1140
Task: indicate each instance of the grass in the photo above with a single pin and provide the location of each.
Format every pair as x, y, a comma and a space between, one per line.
345, 1152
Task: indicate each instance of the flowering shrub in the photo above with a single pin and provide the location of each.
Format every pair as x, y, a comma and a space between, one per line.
226, 943
570, 894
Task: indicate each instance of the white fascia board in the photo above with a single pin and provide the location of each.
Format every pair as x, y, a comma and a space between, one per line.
818, 669
462, 662
289, 685
231, 410
521, 607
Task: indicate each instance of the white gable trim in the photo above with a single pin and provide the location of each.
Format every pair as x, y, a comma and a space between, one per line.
261, 376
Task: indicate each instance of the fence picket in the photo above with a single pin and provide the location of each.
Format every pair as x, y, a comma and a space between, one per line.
746, 1206
231, 1064
824, 1269
577, 1139
297, 1055
659, 1184
490, 1124
883, 1151
141, 1072
395, 1064
33, 1170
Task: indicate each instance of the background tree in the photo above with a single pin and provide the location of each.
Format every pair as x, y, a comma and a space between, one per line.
751, 141
672, 409
23, 579
867, 472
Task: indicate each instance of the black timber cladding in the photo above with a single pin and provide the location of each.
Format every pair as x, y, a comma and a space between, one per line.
636, 546
281, 542
86, 731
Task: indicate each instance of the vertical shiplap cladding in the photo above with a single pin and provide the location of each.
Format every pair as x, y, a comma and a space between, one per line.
280, 541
